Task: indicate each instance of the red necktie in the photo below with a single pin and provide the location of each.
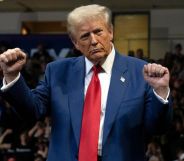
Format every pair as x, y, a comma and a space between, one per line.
88, 148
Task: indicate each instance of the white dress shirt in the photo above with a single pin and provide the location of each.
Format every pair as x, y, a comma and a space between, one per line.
105, 77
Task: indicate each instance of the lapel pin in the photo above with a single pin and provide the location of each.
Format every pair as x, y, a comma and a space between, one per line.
122, 79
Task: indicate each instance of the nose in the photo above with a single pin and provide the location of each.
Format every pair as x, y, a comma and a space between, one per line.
93, 39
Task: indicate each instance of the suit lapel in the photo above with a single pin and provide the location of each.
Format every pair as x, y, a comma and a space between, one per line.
117, 90
76, 96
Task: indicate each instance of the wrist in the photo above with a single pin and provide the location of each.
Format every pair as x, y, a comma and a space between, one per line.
162, 91
10, 77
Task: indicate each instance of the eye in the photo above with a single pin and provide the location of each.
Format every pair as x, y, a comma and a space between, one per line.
98, 32
84, 36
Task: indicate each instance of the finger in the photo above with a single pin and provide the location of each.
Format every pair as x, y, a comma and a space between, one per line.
17, 53
20, 53
3, 58
11, 55
156, 70
152, 71
7, 56
164, 71
145, 69
149, 69
161, 72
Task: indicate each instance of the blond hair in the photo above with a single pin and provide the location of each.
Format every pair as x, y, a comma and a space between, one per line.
87, 13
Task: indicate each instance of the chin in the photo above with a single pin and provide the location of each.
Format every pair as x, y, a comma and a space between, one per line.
99, 59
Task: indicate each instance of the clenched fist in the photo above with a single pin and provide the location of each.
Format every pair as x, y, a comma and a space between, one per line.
11, 63
158, 77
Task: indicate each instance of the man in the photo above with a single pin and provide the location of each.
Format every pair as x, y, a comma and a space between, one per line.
131, 106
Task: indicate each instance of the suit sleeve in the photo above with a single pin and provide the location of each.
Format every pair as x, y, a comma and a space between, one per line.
30, 104
158, 116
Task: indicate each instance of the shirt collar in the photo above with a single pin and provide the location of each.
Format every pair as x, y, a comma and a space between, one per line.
106, 66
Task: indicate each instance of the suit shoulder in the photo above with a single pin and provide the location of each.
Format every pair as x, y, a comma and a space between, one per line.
65, 62
134, 62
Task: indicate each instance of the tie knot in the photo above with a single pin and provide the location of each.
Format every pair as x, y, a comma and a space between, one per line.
97, 68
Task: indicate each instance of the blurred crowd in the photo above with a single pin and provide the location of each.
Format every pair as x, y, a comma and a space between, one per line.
20, 141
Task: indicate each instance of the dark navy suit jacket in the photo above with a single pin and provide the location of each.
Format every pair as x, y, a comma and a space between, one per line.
132, 112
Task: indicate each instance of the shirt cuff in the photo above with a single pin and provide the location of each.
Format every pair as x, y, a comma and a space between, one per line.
164, 101
6, 86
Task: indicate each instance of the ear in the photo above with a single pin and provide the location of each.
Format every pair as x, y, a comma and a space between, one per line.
111, 32
75, 43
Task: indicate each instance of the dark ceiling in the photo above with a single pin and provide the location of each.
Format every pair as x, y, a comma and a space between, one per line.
65, 5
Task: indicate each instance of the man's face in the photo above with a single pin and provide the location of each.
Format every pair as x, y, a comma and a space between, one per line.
93, 38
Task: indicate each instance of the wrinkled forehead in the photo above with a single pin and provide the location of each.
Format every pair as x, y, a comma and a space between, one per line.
89, 24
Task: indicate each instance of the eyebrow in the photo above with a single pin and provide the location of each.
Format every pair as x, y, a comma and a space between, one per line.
97, 30
85, 35
88, 33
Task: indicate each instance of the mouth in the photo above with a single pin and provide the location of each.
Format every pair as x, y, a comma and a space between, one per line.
94, 51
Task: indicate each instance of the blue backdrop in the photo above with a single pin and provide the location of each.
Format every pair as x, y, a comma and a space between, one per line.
29, 42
